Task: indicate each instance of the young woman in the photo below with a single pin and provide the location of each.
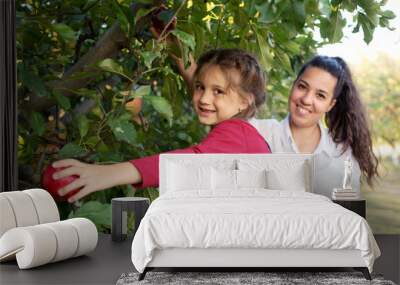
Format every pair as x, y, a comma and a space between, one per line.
228, 87
323, 91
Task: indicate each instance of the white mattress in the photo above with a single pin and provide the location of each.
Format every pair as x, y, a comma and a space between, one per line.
252, 218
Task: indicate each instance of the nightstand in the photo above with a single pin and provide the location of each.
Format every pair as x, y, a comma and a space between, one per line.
120, 208
357, 206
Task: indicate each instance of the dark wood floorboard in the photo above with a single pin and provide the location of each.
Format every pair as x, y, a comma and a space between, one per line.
110, 260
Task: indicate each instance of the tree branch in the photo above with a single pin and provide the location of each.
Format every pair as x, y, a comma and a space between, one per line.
108, 46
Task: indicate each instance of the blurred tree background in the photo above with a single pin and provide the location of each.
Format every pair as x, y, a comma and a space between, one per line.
378, 80
94, 84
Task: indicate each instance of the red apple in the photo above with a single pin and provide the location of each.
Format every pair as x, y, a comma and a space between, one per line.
52, 185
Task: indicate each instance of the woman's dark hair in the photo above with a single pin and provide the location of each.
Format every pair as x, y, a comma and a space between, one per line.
252, 81
347, 120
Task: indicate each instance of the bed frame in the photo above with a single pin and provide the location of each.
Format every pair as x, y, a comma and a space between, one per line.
248, 259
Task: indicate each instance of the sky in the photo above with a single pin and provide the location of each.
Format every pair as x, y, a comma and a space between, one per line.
353, 48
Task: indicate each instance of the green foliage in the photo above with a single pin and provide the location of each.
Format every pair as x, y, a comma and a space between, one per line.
99, 213
378, 80
75, 103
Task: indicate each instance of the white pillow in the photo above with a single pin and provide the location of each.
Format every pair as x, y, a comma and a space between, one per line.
293, 180
282, 173
224, 179
183, 177
251, 179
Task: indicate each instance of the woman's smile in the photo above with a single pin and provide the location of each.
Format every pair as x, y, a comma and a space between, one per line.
302, 111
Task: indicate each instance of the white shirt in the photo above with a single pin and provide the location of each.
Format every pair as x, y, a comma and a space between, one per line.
329, 160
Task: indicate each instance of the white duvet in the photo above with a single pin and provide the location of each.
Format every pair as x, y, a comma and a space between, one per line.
254, 218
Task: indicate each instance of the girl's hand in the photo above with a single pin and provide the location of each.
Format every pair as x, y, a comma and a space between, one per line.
94, 177
187, 73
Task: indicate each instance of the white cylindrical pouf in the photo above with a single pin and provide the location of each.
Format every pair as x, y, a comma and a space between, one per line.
23, 208
87, 235
7, 217
34, 245
45, 205
67, 239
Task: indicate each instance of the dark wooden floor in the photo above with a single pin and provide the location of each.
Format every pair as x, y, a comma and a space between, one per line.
110, 260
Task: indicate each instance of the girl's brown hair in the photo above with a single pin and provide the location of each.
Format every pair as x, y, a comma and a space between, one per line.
347, 120
252, 81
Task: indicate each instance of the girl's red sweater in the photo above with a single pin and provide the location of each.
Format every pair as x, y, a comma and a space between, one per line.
229, 136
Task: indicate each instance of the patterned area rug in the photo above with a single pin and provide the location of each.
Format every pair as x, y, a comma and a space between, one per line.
269, 278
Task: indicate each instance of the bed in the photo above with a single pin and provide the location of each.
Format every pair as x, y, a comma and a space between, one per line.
242, 211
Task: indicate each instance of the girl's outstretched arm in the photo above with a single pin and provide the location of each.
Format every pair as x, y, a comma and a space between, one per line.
230, 136
92, 177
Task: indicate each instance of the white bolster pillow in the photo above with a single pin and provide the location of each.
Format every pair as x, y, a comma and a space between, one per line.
40, 244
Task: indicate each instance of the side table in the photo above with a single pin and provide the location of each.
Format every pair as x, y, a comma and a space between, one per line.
120, 208
358, 206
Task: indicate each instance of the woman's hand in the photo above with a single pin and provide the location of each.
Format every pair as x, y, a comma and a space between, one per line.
94, 177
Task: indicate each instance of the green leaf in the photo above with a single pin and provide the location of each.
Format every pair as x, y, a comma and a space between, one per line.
186, 38
123, 131
92, 141
367, 27
311, 7
71, 150
267, 15
349, 5
293, 47
121, 16
324, 28
111, 157
98, 213
33, 82
37, 123
65, 32
263, 51
140, 92
284, 60
62, 100
83, 125
299, 13
388, 14
149, 56
161, 105
111, 65
337, 24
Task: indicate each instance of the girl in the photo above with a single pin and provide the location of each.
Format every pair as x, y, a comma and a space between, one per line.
228, 87
323, 90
